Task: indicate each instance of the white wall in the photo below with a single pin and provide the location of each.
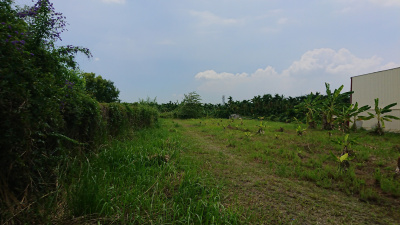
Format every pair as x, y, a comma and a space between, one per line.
384, 85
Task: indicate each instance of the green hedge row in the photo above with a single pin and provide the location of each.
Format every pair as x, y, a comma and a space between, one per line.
31, 162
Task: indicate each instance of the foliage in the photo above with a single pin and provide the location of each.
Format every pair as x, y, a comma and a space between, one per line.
47, 118
345, 143
331, 104
379, 129
261, 127
100, 89
343, 161
190, 106
310, 106
300, 131
347, 154
350, 112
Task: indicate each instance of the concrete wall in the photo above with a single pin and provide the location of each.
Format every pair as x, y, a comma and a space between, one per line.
384, 85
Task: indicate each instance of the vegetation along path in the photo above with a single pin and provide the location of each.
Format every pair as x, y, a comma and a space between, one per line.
260, 180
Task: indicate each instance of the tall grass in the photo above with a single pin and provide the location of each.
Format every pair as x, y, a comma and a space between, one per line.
144, 181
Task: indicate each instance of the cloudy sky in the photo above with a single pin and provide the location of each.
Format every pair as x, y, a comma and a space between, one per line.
238, 48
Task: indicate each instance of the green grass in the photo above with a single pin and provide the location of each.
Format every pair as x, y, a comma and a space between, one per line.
246, 162
144, 181
209, 171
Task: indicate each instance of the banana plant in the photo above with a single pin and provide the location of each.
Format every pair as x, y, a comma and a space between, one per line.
349, 113
380, 117
343, 161
300, 131
311, 107
330, 105
345, 143
347, 154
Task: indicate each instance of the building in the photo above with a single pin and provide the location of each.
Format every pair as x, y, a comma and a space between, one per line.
384, 85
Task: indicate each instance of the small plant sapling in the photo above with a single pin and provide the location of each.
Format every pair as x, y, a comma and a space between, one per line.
261, 128
346, 144
343, 161
300, 131
248, 134
347, 154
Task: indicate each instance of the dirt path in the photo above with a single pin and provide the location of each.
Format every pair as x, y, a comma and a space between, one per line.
268, 199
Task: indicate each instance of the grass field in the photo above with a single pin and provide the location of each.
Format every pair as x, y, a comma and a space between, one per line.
274, 175
212, 171
142, 180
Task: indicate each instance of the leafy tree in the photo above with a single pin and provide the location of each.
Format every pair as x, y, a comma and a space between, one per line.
190, 106
101, 89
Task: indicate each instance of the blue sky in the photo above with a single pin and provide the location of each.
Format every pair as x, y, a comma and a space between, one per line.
238, 48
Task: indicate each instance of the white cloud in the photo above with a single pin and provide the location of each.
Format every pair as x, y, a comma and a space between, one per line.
212, 75
333, 62
114, 1
307, 74
207, 18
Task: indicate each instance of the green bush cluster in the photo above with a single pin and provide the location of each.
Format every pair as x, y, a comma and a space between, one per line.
47, 115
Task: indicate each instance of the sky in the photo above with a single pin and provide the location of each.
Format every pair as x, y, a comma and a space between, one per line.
163, 49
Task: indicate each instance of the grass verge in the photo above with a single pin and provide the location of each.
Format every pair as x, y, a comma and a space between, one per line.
143, 180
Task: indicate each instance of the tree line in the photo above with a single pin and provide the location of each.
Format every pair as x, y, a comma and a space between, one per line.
332, 110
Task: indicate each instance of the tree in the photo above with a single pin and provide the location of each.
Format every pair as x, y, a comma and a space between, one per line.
190, 106
101, 89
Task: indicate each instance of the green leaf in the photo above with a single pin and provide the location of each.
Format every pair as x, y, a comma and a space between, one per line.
377, 111
344, 157
334, 157
389, 106
392, 117
328, 90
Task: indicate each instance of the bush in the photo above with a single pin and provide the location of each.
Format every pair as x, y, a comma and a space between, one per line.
45, 113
